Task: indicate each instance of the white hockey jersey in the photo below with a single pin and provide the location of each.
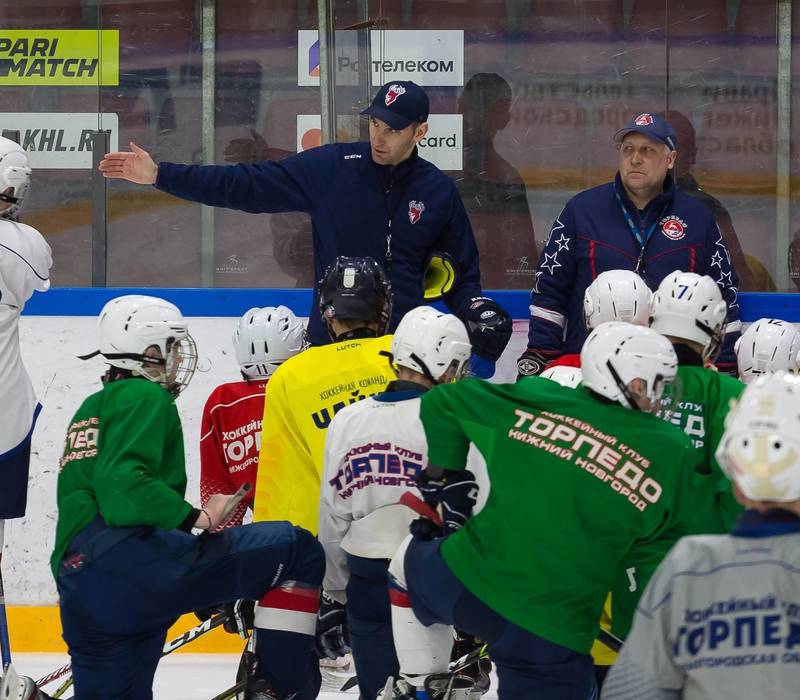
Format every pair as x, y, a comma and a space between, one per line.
373, 451
720, 618
25, 261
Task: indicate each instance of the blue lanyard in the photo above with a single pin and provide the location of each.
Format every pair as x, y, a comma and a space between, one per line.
635, 229
632, 226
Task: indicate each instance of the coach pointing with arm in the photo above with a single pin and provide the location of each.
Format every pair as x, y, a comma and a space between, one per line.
639, 222
377, 199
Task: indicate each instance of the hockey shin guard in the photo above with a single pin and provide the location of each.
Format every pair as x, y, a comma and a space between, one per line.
421, 651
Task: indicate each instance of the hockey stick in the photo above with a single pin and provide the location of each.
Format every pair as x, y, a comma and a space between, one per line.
232, 691
351, 682
421, 508
169, 647
232, 503
5, 644
610, 640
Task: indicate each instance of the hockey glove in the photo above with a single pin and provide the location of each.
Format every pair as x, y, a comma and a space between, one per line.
332, 639
241, 615
533, 361
457, 492
489, 327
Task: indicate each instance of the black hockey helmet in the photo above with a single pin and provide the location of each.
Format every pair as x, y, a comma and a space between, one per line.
356, 289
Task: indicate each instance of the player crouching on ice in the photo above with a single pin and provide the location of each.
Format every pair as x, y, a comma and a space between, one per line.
373, 451
579, 477
126, 562
263, 340
719, 619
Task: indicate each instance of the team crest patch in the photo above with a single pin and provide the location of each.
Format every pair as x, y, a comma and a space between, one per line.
644, 120
415, 210
393, 93
673, 227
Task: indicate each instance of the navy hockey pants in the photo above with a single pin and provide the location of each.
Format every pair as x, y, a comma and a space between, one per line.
528, 666
15, 466
122, 588
369, 624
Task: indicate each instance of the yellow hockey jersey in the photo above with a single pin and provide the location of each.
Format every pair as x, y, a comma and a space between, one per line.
303, 395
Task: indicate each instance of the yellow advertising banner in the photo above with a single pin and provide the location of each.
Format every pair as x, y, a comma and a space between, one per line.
59, 57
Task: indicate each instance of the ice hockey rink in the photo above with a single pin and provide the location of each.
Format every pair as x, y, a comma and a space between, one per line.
188, 676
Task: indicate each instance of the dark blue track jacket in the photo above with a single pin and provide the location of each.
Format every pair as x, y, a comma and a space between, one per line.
592, 235
397, 215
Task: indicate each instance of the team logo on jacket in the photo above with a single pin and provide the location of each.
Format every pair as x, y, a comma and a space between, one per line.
673, 227
393, 93
643, 120
415, 210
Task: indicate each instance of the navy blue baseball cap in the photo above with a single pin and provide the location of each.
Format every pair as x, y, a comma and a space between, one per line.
400, 103
652, 126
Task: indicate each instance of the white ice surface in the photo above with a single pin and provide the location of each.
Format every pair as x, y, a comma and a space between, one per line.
179, 676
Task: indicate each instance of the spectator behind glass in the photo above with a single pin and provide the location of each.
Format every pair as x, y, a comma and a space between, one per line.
492, 189
753, 276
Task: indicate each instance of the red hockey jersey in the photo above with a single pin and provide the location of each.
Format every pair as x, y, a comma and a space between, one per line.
230, 439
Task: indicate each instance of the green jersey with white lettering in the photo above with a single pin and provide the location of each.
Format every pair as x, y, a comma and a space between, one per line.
706, 398
123, 459
576, 484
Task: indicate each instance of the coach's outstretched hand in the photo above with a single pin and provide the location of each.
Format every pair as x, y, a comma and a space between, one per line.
135, 165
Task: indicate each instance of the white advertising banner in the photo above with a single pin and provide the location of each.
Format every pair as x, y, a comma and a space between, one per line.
60, 140
426, 56
442, 145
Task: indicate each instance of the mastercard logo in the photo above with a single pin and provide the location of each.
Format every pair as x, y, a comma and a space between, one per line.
311, 139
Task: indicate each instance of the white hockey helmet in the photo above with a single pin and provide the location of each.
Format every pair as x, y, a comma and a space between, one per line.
690, 307
15, 172
25, 261
616, 295
265, 338
132, 326
760, 449
431, 342
567, 376
616, 353
766, 346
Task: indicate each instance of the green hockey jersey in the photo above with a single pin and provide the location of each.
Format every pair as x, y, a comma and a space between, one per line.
123, 458
576, 484
706, 398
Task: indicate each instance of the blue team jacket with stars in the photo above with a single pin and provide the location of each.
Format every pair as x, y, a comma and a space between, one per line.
397, 215
592, 235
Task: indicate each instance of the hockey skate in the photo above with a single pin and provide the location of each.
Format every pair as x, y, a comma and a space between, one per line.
254, 688
441, 686
16, 687
469, 658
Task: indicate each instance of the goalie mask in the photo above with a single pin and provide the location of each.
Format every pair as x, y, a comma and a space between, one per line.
356, 289
15, 178
616, 295
631, 365
760, 449
766, 346
150, 338
265, 338
432, 343
690, 307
